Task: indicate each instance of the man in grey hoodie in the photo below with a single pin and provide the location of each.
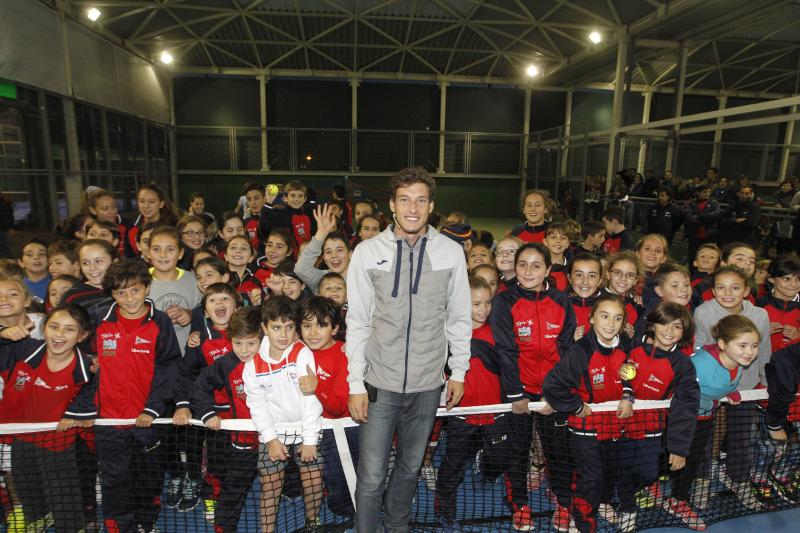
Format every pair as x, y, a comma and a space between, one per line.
730, 288
409, 301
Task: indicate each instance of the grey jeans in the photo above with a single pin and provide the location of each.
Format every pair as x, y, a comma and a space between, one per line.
411, 415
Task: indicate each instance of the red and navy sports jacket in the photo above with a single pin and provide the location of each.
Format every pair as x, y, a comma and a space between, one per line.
247, 283
583, 308
699, 277
618, 242
262, 270
482, 381
251, 225
332, 387
136, 374
214, 344
588, 374
527, 233
133, 227
299, 222
32, 393
531, 329
632, 310
661, 375
558, 273
783, 312
224, 377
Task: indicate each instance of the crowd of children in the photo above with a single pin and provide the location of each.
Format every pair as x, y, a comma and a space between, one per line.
243, 317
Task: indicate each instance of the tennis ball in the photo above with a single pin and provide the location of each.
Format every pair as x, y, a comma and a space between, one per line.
272, 189
627, 372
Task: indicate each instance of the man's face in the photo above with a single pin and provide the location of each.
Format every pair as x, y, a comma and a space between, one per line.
745, 194
663, 198
411, 206
704, 193
668, 175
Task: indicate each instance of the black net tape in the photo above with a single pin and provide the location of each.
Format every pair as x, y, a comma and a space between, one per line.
490, 471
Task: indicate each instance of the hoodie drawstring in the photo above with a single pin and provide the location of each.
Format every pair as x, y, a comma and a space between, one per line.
420, 260
397, 262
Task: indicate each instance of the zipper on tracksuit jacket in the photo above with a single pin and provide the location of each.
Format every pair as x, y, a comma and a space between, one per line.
410, 307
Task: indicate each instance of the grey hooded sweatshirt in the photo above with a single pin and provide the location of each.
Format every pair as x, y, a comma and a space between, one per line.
406, 305
706, 317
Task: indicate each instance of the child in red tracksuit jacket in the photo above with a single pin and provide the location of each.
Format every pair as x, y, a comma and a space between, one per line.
223, 379
48, 381
588, 374
136, 350
534, 208
663, 372
466, 435
321, 326
533, 325
585, 275
211, 343
783, 303
296, 215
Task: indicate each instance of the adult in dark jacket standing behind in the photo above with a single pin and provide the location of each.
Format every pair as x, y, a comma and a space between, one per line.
739, 223
409, 301
700, 218
665, 217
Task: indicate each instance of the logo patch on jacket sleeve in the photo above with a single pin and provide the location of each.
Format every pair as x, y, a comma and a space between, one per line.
109, 347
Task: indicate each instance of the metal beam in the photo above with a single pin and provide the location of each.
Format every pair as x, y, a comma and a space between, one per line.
788, 137
774, 119
617, 109
716, 152
643, 143
680, 88
262, 98
567, 132
442, 124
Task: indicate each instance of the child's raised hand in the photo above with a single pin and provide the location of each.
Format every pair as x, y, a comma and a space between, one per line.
181, 316
308, 453
65, 424
275, 285
308, 383
182, 416
624, 409
277, 450
629, 330
214, 423
194, 339
579, 332
326, 222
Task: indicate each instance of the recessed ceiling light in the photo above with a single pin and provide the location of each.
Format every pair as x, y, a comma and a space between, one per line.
93, 14
166, 57
532, 71
595, 37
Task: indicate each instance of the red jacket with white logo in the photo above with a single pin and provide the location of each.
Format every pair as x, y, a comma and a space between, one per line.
214, 344
136, 374
300, 222
32, 393
332, 387
661, 375
583, 308
223, 378
588, 374
558, 273
531, 330
783, 312
251, 224
247, 283
527, 233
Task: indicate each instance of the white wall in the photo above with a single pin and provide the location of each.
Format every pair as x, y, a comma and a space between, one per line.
32, 53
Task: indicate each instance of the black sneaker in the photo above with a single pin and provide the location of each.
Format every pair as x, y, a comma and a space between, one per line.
174, 492
191, 494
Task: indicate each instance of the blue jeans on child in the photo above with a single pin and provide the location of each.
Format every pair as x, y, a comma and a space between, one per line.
411, 415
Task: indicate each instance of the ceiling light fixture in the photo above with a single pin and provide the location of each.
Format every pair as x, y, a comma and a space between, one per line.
532, 71
595, 37
93, 14
166, 57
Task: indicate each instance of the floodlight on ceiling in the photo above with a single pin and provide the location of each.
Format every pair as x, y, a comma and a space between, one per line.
166, 57
595, 37
532, 71
93, 14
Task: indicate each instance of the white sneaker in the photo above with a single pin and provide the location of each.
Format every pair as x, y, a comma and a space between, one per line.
701, 493
428, 474
627, 522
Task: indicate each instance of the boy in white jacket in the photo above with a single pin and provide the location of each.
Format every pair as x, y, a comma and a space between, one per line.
274, 397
